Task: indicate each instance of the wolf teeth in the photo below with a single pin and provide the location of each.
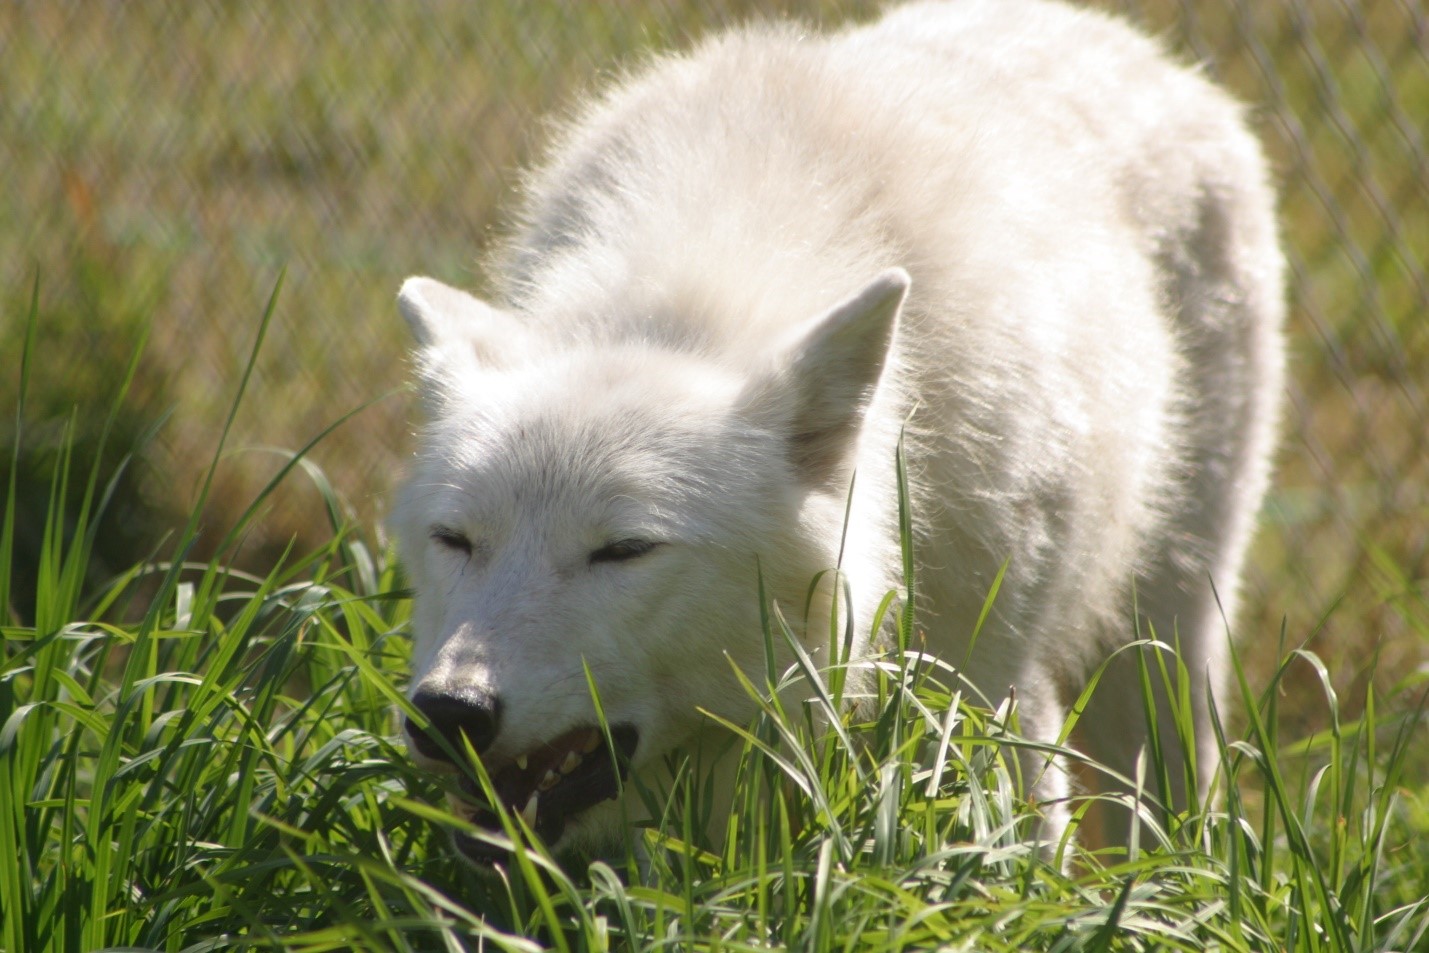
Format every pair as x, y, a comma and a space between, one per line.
591, 743
521, 762
570, 762
528, 813
549, 781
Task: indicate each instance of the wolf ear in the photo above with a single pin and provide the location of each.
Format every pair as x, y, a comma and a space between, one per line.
832, 371
441, 316
456, 335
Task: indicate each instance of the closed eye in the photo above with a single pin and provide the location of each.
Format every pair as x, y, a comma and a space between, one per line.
451, 539
622, 550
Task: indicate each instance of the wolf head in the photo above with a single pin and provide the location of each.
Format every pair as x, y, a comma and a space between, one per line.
594, 520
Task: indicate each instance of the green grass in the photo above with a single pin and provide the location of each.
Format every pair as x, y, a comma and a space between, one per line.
196, 758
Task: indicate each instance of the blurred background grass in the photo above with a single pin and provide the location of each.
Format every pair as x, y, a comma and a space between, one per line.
164, 162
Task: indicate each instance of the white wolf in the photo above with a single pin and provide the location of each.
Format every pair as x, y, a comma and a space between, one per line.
1012, 231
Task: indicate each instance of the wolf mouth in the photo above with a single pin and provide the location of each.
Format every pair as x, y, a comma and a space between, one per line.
547, 786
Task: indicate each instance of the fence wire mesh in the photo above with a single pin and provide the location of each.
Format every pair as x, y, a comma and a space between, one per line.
165, 162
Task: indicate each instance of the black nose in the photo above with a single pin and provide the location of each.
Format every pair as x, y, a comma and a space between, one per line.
449, 717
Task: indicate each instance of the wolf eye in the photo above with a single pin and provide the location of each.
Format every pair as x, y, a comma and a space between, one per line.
451, 539
622, 550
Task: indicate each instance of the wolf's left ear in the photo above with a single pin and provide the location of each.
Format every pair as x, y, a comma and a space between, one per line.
456, 335
832, 372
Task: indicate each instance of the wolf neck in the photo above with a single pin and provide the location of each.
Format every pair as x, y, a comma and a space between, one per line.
726, 230
730, 294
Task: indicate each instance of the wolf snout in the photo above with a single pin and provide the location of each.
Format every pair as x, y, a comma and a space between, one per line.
451, 717
545, 785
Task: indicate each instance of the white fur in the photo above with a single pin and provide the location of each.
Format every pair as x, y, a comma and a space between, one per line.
1088, 360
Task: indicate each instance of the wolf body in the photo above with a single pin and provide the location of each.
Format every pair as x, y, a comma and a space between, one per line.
1012, 234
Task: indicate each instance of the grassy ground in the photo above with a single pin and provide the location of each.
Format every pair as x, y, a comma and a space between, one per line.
203, 749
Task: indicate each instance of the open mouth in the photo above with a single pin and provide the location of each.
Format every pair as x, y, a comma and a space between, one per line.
547, 786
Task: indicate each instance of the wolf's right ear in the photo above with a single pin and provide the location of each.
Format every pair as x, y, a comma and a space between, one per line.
457, 336
828, 374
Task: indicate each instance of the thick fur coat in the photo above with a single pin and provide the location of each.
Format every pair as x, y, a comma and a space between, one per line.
1014, 233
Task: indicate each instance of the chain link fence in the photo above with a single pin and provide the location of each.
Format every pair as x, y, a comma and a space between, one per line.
165, 163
